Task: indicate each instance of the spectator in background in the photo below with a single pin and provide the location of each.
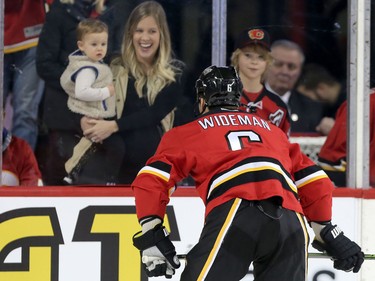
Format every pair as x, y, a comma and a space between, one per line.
57, 41
318, 84
281, 79
115, 14
23, 22
149, 85
251, 58
88, 82
332, 156
20, 167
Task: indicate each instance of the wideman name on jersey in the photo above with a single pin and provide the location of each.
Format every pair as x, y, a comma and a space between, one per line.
233, 120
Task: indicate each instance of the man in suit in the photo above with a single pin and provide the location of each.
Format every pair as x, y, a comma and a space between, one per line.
281, 79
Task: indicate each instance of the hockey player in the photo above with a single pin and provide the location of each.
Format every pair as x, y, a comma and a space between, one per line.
256, 187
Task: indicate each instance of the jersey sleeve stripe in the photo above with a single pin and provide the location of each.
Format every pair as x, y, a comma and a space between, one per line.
161, 166
310, 178
156, 172
306, 172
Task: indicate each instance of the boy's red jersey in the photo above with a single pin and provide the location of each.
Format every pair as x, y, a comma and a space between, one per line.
268, 106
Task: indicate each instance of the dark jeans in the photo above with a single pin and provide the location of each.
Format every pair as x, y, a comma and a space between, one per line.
100, 168
53, 150
102, 164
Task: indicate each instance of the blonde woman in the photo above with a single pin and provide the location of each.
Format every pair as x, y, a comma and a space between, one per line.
251, 59
149, 85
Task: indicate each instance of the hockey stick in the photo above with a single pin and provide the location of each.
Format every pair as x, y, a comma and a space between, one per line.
310, 255
325, 256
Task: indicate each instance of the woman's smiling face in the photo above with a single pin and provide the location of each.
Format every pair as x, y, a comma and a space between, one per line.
146, 40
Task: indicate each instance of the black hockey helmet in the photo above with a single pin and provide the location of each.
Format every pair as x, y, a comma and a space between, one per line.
219, 86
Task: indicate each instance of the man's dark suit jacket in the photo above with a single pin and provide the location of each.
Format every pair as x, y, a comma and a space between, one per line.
305, 113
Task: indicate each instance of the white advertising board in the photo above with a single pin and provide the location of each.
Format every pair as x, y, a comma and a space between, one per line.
89, 238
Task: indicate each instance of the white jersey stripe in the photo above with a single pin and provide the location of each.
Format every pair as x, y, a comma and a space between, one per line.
154, 171
251, 167
312, 177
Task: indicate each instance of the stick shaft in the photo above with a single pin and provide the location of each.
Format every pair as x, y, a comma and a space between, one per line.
325, 256
310, 255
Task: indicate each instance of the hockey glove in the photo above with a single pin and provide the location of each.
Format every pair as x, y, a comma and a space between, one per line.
158, 253
346, 254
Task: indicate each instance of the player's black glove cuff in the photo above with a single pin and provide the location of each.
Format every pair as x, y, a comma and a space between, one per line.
157, 251
347, 255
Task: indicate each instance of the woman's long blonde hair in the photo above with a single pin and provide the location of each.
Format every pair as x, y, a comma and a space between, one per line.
164, 70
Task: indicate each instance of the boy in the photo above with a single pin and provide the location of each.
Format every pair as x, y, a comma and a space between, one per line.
88, 82
251, 59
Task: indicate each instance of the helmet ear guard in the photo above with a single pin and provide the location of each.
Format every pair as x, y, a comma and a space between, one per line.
200, 88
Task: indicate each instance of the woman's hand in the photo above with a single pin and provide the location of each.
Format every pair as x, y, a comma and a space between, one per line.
98, 130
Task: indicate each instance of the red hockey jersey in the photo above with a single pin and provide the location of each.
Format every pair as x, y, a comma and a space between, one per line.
23, 22
233, 154
20, 167
332, 156
268, 106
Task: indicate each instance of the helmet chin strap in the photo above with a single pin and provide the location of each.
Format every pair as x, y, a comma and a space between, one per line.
203, 109
197, 111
